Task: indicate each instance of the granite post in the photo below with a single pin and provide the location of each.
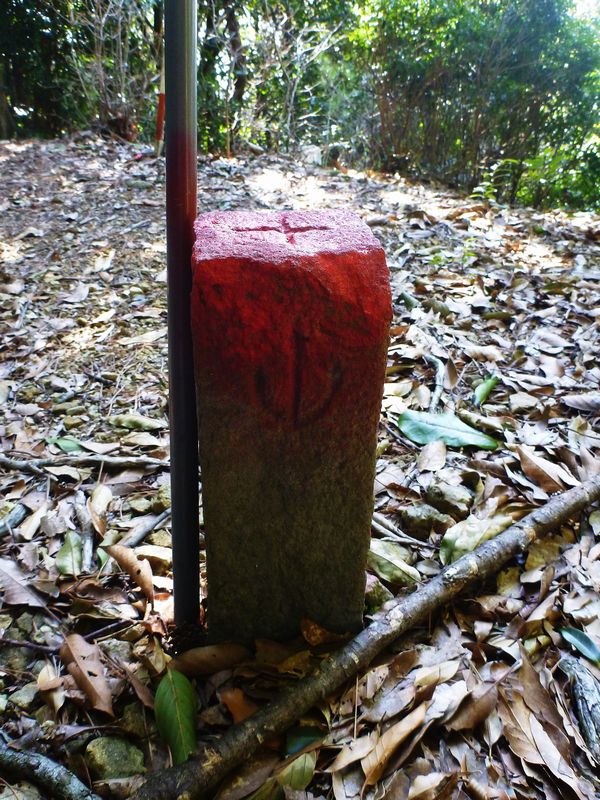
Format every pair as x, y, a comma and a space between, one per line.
290, 322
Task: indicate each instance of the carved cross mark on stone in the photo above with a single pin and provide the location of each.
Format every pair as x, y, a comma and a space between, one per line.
290, 318
284, 228
301, 406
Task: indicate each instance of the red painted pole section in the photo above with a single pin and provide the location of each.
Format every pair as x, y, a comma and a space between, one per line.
180, 76
290, 319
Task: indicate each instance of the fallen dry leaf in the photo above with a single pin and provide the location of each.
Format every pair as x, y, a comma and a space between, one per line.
97, 506
425, 677
138, 569
432, 457
588, 401
315, 635
28, 529
486, 354
355, 750
375, 762
16, 586
209, 659
84, 663
238, 705
475, 708
551, 477
435, 786
50, 687
249, 777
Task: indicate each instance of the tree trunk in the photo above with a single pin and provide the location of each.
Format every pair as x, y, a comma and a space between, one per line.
208, 122
6, 122
237, 53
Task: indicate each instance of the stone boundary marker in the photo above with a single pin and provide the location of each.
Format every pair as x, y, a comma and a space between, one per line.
290, 321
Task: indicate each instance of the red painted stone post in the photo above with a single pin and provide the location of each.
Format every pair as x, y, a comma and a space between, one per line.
290, 321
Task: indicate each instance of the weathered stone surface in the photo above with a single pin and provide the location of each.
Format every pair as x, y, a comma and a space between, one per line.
132, 720
14, 659
290, 317
160, 538
109, 757
24, 696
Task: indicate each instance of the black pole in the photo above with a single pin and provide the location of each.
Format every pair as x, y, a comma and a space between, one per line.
181, 124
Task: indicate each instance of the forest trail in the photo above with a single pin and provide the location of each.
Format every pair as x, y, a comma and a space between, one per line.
479, 289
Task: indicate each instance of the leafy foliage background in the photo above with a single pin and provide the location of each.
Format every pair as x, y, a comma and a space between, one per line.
499, 96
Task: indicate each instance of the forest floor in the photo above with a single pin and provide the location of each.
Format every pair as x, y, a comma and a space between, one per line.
478, 290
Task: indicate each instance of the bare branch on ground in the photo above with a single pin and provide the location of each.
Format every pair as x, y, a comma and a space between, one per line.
35, 466
54, 779
191, 780
139, 534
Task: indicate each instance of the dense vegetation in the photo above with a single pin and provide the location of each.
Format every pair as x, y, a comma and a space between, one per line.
499, 96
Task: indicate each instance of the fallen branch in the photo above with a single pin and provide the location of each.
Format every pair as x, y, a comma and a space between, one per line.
585, 695
35, 466
94, 636
21, 465
191, 780
54, 779
140, 532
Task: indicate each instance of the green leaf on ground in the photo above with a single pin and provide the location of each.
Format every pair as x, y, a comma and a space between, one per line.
485, 388
298, 774
175, 712
387, 560
423, 427
582, 642
69, 558
136, 422
68, 444
270, 790
466, 535
409, 301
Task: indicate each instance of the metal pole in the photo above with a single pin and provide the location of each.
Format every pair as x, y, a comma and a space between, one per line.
181, 136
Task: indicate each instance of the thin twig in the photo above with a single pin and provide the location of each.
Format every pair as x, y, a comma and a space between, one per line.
388, 530
39, 648
113, 627
86, 527
440, 373
94, 636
